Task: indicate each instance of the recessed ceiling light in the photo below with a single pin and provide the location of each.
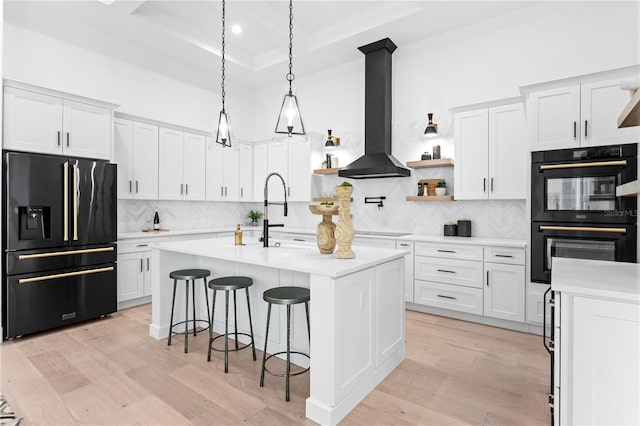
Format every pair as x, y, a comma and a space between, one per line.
236, 29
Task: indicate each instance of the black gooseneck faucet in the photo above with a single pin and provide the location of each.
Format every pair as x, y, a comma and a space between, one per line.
265, 222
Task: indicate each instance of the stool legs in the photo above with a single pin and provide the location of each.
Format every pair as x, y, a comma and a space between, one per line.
213, 308
288, 370
266, 339
206, 297
193, 302
306, 308
186, 319
226, 331
173, 302
253, 345
235, 317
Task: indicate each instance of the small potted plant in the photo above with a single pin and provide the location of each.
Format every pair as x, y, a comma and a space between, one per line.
441, 188
255, 216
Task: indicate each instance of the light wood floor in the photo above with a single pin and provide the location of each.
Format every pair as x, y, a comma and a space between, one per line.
110, 371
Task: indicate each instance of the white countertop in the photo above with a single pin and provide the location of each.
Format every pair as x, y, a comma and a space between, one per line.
293, 257
614, 280
481, 241
478, 241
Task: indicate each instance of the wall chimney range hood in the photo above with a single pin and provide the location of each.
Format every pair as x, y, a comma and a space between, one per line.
377, 161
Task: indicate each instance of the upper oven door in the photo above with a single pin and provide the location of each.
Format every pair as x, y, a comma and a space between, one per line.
583, 191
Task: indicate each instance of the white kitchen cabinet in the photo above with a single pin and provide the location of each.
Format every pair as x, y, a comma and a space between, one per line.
597, 361
278, 162
131, 275
222, 172
581, 114
536, 304
245, 168
136, 153
490, 147
408, 268
182, 164
48, 124
299, 170
260, 171
504, 291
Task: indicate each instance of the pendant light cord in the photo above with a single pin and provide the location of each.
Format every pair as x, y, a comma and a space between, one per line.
290, 76
223, 51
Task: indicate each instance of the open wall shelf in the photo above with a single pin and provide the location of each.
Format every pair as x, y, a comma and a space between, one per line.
430, 198
444, 162
331, 171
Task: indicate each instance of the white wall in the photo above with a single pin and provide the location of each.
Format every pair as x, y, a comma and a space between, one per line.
483, 62
44, 61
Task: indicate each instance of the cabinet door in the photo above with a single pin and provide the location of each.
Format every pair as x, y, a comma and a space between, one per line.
87, 130
123, 150
145, 161
245, 169
554, 117
214, 171
171, 160
194, 166
600, 371
472, 156
146, 268
504, 291
260, 171
130, 276
277, 161
408, 269
507, 153
299, 165
601, 103
231, 173
32, 122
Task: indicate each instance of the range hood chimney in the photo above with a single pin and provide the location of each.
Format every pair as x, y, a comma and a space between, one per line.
377, 161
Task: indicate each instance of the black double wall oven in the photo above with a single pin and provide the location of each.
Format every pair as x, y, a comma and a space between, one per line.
574, 209
59, 251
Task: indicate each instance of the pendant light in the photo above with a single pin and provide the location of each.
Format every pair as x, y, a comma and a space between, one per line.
432, 129
289, 119
223, 134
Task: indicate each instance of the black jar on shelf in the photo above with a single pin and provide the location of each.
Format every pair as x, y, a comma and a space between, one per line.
450, 229
464, 228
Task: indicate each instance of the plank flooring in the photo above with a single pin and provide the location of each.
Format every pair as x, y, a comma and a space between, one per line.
111, 372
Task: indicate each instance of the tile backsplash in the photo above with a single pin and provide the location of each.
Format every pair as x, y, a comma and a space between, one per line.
490, 218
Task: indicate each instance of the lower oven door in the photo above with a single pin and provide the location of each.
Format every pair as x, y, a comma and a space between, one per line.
41, 301
579, 241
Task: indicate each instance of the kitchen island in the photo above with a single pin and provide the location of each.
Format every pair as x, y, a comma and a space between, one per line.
356, 310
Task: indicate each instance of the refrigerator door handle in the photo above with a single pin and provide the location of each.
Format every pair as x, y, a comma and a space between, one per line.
65, 196
64, 275
75, 202
64, 253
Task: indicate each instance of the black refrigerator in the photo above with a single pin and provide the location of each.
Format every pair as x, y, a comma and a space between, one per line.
59, 245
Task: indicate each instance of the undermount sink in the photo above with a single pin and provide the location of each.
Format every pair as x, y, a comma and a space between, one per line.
382, 233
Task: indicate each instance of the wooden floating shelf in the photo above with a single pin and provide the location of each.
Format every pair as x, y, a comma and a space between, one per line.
429, 198
444, 162
327, 199
331, 171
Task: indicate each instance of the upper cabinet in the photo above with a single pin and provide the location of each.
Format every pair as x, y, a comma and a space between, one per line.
222, 172
490, 150
46, 122
136, 153
182, 164
578, 115
291, 158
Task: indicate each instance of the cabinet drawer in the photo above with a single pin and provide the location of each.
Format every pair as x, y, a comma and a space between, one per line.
509, 255
449, 251
450, 271
457, 298
142, 244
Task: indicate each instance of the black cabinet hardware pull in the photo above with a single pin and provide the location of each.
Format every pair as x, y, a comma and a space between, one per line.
491, 184
136, 187
575, 130
67, 139
447, 271
141, 265
130, 187
487, 278
586, 134
446, 251
505, 255
142, 245
147, 264
446, 297
186, 189
58, 138
484, 184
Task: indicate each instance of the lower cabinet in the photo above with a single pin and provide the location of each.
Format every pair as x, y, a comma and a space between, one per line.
408, 269
134, 275
480, 280
535, 304
504, 291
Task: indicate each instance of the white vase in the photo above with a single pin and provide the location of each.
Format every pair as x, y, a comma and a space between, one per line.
441, 191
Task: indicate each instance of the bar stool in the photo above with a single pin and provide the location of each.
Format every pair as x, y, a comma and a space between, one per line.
188, 275
228, 284
287, 296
